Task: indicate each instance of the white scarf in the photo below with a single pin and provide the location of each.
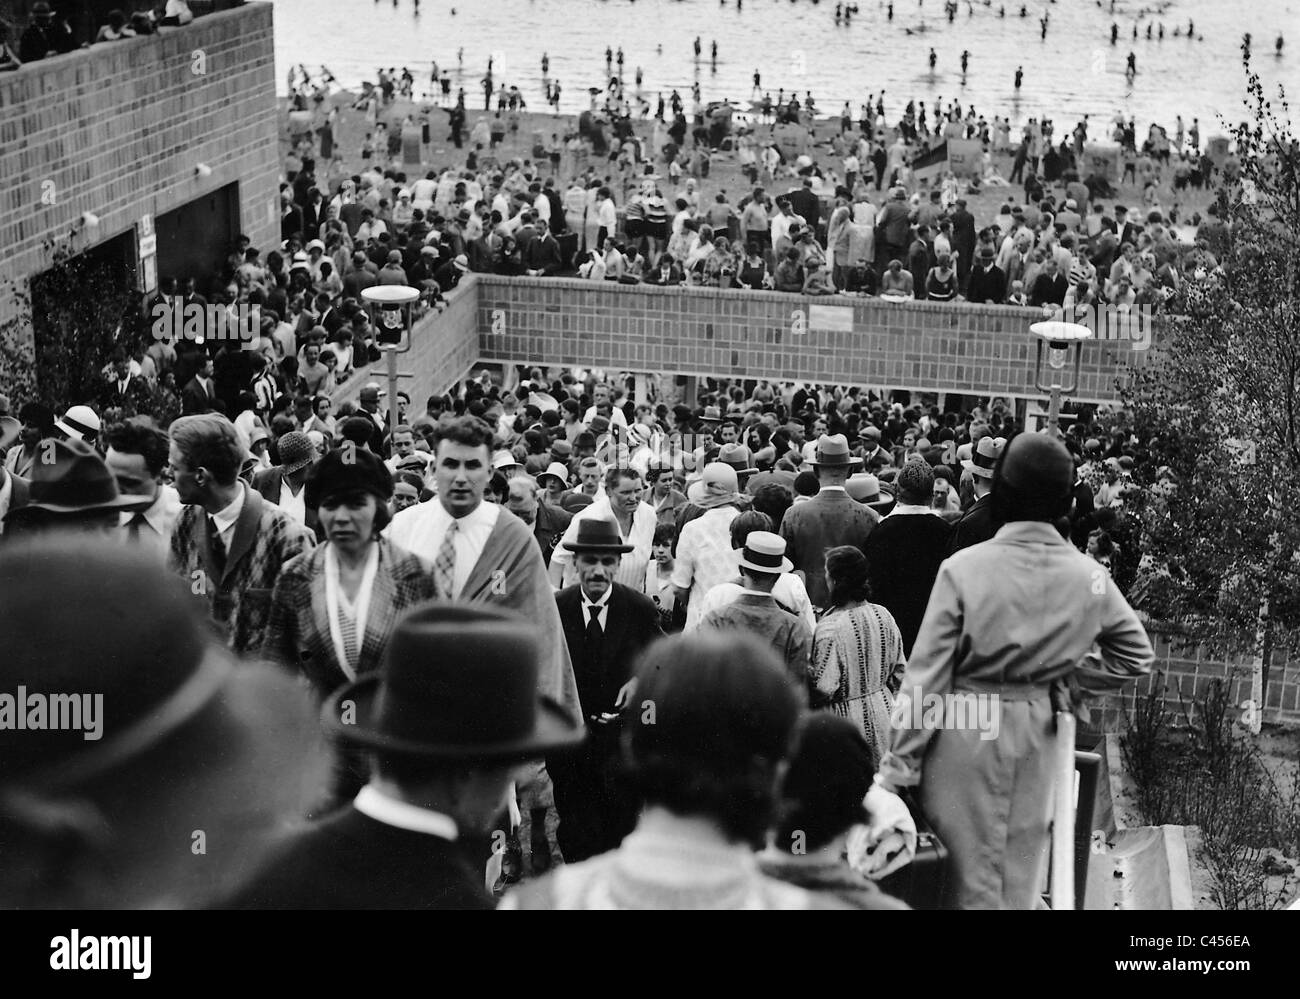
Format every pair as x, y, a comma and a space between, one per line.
332, 594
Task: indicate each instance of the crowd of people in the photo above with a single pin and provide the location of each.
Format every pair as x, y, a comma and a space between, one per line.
840, 220
834, 531
48, 33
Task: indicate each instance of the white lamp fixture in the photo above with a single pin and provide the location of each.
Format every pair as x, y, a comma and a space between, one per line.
1058, 339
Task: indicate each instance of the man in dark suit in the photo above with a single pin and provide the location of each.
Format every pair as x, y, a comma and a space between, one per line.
1050, 286
905, 550
447, 733
804, 203
988, 283
285, 484
200, 392
542, 254
123, 390
829, 519
606, 626
964, 239
977, 524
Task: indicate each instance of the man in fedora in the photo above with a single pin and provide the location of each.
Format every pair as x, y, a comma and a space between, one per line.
606, 626
449, 718
72, 490
229, 543
829, 519
988, 282
755, 612
175, 764
285, 484
976, 524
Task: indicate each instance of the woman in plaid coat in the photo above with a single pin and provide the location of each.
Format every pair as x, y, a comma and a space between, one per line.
335, 607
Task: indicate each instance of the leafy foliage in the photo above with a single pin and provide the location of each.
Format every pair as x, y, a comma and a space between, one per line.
64, 325
1220, 410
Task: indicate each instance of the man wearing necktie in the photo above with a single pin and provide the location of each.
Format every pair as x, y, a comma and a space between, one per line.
606, 626
137, 457
229, 544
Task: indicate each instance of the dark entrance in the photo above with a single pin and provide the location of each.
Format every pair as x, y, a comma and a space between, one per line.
193, 240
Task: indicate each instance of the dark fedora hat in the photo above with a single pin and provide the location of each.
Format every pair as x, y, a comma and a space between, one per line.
459, 682
75, 481
598, 535
833, 452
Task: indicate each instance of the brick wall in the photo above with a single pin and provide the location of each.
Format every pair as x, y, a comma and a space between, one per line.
921, 346
117, 130
1189, 670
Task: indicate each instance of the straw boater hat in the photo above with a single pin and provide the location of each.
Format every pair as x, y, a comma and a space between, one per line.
711, 414
479, 705
765, 552
833, 452
985, 457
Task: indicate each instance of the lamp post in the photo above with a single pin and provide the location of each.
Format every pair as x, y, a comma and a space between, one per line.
1056, 340
390, 311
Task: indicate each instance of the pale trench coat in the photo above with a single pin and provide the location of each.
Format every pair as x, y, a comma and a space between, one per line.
1009, 616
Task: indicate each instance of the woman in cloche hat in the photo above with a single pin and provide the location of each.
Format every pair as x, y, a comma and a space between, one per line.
334, 607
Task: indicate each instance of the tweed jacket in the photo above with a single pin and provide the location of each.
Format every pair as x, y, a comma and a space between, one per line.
829, 519
239, 601
298, 631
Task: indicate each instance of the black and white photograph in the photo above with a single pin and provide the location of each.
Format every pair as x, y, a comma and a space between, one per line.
657, 455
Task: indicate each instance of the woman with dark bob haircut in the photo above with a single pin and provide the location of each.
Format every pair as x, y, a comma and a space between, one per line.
334, 607
858, 660
712, 724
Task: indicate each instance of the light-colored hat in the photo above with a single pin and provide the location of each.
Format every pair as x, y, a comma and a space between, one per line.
986, 456
80, 422
504, 459
765, 552
719, 477
557, 469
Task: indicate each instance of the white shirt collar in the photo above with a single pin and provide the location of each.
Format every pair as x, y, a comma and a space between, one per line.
602, 603
226, 518
372, 802
827, 489
906, 509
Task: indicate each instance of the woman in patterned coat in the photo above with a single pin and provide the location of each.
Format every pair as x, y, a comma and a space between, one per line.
335, 607
857, 651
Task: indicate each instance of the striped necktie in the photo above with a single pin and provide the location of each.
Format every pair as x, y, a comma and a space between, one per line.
444, 566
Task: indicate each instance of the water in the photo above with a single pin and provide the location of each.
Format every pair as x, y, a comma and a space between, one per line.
796, 43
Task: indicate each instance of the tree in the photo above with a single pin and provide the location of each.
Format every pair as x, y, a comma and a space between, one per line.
65, 323
1217, 413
